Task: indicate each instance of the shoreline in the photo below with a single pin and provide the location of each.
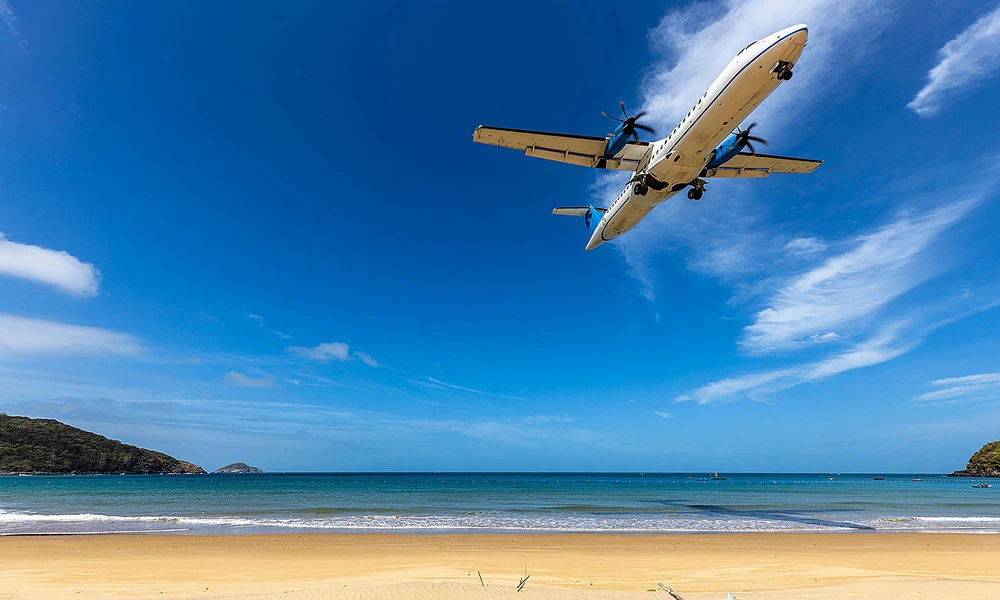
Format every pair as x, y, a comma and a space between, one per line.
489, 533
561, 566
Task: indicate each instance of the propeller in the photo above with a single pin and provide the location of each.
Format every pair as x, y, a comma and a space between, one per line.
744, 138
629, 124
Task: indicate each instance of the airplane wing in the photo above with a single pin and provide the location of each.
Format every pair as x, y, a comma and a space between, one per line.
580, 150
762, 165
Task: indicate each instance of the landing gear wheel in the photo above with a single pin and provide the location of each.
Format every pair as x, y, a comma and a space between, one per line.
640, 189
694, 194
785, 75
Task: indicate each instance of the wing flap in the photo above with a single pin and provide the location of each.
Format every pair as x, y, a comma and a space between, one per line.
762, 165
584, 151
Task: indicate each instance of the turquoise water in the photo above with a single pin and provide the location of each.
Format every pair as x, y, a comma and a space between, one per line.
549, 502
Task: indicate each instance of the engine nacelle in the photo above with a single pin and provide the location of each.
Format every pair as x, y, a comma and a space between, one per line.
730, 147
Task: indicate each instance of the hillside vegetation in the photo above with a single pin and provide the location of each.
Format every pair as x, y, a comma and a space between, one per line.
48, 446
984, 463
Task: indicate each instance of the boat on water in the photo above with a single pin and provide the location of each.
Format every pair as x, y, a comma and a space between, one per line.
717, 477
982, 485
918, 480
878, 478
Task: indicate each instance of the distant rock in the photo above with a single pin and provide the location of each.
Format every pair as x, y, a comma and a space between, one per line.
45, 446
238, 468
984, 463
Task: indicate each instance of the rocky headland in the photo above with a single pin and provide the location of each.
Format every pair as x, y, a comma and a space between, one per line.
984, 463
46, 446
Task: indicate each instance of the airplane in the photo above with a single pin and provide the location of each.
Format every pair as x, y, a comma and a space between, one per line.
707, 143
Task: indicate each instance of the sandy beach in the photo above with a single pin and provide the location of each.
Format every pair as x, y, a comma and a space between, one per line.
419, 567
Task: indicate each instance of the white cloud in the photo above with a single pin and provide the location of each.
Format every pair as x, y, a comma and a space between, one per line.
51, 267
664, 414
324, 352
235, 378
696, 42
734, 386
9, 19
968, 380
962, 62
883, 346
329, 351
437, 384
24, 336
367, 359
805, 246
847, 290
263, 325
692, 45
958, 387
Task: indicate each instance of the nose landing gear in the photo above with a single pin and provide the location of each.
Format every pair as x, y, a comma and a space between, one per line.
783, 70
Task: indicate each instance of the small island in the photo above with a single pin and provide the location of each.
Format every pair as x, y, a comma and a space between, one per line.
48, 447
238, 468
984, 463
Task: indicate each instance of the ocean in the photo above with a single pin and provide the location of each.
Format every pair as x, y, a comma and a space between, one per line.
495, 502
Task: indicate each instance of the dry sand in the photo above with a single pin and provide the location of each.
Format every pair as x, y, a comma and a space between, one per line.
425, 567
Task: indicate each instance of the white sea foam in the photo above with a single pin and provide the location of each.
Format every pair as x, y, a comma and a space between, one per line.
14, 522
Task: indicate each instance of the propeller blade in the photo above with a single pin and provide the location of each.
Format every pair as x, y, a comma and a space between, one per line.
635, 135
752, 151
757, 139
645, 128
640, 115
610, 117
621, 103
750, 126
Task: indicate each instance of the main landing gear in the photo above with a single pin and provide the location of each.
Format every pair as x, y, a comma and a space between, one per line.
645, 182
783, 70
697, 189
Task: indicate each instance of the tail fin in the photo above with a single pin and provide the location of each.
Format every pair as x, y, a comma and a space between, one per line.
587, 212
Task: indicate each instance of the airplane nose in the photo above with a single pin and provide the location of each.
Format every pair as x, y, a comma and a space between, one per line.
797, 34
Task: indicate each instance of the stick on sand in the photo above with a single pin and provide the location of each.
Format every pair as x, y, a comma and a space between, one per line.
670, 591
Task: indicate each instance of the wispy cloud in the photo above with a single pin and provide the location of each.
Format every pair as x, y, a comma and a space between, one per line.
324, 352
367, 359
951, 388
664, 414
850, 306
263, 325
21, 336
50, 267
962, 63
832, 300
236, 378
332, 351
437, 384
805, 246
10, 20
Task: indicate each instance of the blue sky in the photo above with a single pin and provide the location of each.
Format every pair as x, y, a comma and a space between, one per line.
263, 233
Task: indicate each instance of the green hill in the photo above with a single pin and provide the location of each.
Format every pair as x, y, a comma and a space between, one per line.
984, 463
48, 446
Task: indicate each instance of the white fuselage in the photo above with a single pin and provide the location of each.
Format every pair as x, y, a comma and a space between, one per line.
679, 158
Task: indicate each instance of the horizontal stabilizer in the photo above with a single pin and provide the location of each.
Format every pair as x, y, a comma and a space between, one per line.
576, 211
